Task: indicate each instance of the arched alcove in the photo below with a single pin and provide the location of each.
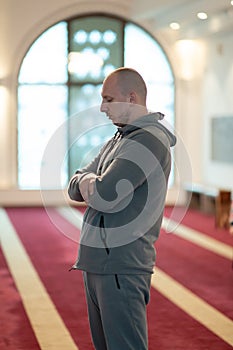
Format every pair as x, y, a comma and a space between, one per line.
61, 75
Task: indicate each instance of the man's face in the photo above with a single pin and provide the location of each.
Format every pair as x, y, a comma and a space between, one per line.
114, 104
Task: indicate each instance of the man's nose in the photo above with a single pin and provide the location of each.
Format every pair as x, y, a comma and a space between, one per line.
104, 107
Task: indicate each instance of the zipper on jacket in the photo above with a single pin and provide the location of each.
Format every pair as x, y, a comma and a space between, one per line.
117, 137
103, 234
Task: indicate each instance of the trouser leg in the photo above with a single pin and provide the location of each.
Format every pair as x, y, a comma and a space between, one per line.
121, 307
95, 322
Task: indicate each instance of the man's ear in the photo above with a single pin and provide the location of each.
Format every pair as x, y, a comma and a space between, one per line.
132, 97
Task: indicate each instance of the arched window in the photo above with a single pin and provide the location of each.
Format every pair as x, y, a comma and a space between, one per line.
62, 74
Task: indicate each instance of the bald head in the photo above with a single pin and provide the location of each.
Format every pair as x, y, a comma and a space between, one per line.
129, 81
124, 96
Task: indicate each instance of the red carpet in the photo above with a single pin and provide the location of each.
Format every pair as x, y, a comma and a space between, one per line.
170, 328
13, 318
201, 222
211, 280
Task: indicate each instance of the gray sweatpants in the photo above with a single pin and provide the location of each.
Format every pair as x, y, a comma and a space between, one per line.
117, 310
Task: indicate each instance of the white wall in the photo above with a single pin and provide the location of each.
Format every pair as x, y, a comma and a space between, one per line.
198, 95
218, 102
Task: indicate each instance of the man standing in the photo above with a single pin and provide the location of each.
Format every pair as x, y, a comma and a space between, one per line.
125, 188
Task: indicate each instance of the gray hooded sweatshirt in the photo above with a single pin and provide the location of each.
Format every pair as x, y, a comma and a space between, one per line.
124, 214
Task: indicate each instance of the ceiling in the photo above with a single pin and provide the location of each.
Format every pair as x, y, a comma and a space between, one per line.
160, 13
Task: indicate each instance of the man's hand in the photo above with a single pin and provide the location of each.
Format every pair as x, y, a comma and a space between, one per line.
86, 186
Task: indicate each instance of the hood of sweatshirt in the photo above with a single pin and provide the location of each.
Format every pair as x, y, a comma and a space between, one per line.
151, 119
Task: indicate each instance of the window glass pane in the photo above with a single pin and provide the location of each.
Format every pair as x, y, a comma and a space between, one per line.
147, 56
161, 98
41, 110
155, 69
89, 131
95, 48
83, 97
90, 128
46, 60
153, 66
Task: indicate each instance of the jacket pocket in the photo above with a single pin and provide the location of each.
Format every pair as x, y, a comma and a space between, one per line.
117, 282
103, 235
